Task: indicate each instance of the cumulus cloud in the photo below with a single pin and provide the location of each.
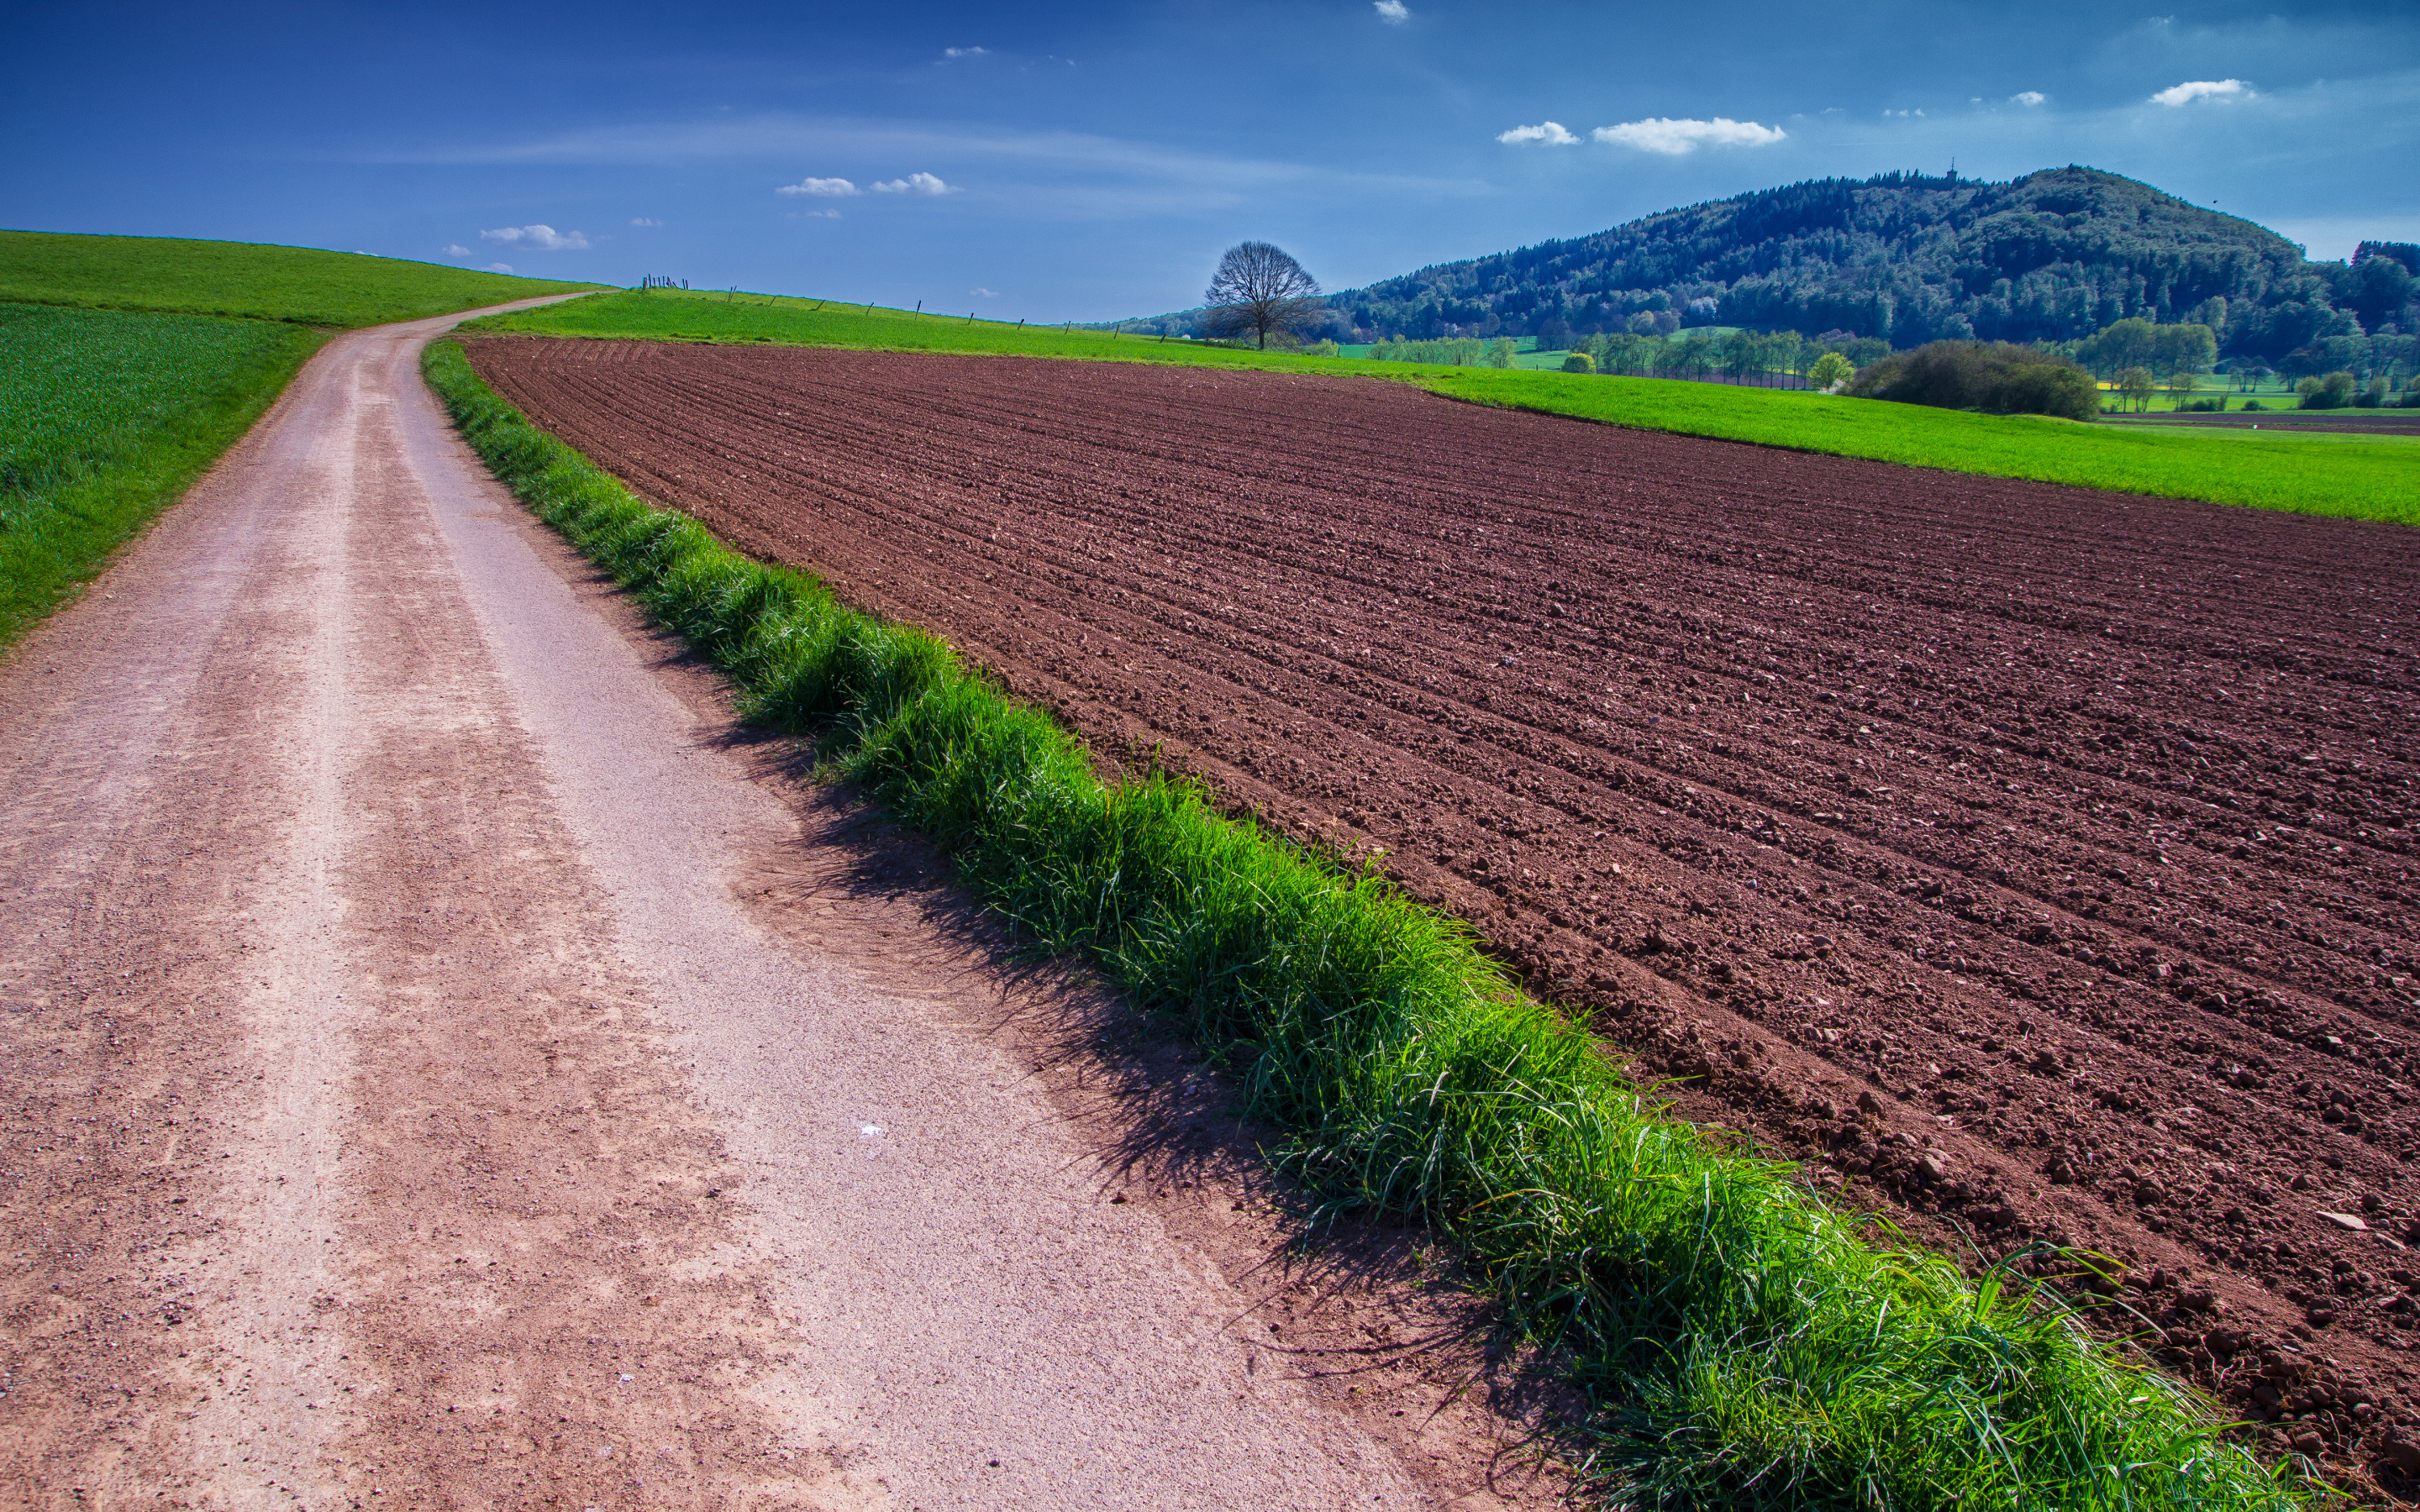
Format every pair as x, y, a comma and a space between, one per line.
1394, 12
2028, 97
818, 186
964, 51
455, 249
537, 238
985, 293
816, 215
1549, 132
642, 220
2194, 89
915, 183
1658, 133
500, 267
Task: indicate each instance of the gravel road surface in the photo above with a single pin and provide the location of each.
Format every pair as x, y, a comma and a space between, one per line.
445, 1069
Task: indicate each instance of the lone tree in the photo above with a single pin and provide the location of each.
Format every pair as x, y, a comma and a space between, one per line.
1260, 290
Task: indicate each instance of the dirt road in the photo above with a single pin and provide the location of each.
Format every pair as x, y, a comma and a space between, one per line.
2038, 862
444, 1070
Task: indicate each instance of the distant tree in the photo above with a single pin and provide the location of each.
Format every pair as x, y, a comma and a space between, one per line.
1829, 369
1553, 335
2136, 385
2183, 348
2131, 343
1259, 289
1579, 362
2181, 384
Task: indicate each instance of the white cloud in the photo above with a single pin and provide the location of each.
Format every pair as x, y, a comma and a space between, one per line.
1903, 113
500, 267
539, 238
1659, 134
818, 186
985, 293
915, 183
2028, 97
642, 220
455, 249
2202, 89
815, 215
1394, 12
964, 51
1549, 132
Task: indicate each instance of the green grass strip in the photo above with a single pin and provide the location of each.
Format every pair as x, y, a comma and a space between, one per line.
1748, 1348
2363, 477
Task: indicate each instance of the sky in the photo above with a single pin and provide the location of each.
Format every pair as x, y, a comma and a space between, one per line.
1091, 161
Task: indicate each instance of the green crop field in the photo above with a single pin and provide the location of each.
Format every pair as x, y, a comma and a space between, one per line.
129, 363
2357, 476
103, 414
263, 282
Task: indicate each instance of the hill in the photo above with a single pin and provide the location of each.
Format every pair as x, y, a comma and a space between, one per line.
305, 284
2051, 256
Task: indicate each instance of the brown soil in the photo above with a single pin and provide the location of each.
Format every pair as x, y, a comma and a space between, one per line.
2349, 421
2032, 860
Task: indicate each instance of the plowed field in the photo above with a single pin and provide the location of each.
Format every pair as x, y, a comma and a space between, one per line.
2036, 862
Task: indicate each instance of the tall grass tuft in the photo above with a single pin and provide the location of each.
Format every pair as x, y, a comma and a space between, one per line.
1746, 1347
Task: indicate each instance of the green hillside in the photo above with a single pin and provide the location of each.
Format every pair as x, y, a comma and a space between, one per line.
2052, 257
260, 282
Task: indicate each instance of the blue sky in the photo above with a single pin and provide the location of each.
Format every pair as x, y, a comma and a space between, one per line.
1091, 161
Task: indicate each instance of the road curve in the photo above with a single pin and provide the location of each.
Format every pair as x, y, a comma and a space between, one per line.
413, 1100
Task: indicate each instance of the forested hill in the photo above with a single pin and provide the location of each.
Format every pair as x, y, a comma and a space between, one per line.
2054, 255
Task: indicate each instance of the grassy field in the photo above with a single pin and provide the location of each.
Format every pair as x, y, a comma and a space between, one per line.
236, 278
104, 416
2368, 479
2365, 479
1746, 1347
129, 363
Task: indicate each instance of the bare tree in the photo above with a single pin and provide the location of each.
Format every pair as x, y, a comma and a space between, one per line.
1260, 290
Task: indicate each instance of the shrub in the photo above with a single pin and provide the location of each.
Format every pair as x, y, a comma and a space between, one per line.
2251, 405
1579, 362
2332, 391
1997, 377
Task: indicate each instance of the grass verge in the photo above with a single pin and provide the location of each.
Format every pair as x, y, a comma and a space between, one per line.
2263, 470
1747, 1347
105, 420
